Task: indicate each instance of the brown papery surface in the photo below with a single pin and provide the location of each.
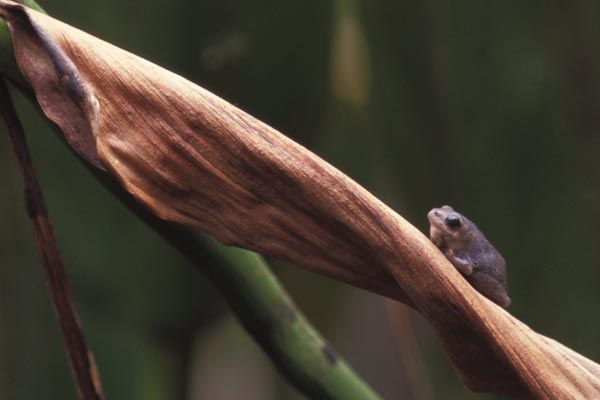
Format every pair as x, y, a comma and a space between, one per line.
194, 159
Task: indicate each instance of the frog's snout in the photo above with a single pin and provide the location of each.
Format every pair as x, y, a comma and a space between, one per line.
437, 214
434, 213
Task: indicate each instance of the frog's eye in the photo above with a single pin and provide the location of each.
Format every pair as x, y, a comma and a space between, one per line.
453, 221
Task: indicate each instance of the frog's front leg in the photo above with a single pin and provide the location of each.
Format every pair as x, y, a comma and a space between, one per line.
462, 263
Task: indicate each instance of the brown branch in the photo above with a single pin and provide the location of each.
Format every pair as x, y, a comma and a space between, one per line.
81, 359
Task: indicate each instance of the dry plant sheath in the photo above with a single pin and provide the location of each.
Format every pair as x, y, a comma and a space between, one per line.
194, 159
80, 358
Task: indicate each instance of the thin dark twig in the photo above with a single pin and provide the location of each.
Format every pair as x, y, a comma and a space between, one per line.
81, 359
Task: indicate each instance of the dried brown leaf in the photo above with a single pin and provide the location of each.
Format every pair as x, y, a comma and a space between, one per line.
194, 159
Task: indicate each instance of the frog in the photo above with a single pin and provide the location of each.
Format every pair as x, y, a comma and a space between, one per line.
465, 246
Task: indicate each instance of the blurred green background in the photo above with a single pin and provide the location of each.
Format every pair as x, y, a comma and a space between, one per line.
493, 108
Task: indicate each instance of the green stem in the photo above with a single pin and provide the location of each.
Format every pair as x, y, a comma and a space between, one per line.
256, 297
269, 315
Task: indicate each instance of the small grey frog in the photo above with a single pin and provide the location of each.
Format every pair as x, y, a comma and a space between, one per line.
470, 252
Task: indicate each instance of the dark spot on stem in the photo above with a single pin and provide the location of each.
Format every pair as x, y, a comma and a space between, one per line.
330, 355
289, 312
33, 206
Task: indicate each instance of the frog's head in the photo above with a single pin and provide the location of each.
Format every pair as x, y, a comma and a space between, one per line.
448, 228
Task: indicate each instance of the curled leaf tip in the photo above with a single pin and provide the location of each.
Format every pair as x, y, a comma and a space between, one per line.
66, 98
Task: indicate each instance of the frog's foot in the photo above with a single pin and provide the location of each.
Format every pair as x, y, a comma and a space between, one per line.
462, 264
